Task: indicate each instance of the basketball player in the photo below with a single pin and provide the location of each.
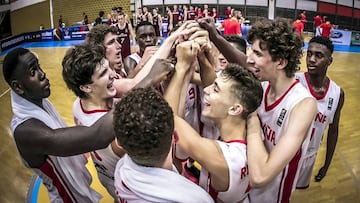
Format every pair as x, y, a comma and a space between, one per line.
106, 36
330, 100
125, 31
286, 113
228, 101
146, 39
53, 151
157, 22
144, 125
87, 73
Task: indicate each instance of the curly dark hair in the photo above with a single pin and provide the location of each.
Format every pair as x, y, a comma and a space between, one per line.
247, 88
324, 41
96, 35
144, 124
79, 64
280, 39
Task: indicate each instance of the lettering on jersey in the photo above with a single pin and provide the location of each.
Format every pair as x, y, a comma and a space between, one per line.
330, 104
281, 117
321, 118
191, 93
244, 171
269, 133
120, 200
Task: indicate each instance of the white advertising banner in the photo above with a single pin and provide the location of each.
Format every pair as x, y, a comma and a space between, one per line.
341, 37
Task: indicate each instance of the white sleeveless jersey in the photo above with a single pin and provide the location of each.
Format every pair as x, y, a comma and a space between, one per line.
104, 159
327, 105
65, 178
192, 107
141, 184
136, 57
235, 155
274, 119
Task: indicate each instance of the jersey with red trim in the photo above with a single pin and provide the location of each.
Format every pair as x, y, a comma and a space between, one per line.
274, 119
327, 105
136, 57
124, 36
104, 159
65, 178
192, 107
239, 183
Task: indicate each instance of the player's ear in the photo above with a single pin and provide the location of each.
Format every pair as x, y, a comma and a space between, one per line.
85, 88
236, 109
17, 87
175, 137
282, 63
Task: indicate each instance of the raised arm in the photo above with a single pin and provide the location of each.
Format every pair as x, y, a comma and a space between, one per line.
34, 138
230, 53
264, 166
124, 85
332, 137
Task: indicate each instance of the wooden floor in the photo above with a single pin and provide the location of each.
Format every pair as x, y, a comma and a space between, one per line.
340, 185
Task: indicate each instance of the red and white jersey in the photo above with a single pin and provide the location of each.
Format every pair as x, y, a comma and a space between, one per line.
193, 107
136, 57
327, 105
104, 159
239, 183
65, 178
274, 118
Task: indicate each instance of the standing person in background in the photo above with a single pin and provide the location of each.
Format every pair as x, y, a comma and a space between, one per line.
60, 22
317, 23
157, 22
126, 34
330, 100
299, 26
86, 19
214, 14
231, 26
114, 16
139, 16
326, 29
303, 17
228, 12
147, 16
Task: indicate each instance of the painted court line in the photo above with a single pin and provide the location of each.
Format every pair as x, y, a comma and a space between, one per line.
4, 92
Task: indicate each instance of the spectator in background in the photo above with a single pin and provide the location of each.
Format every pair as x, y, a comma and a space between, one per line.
214, 14
299, 26
99, 19
231, 26
147, 15
317, 22
228, 12
60, 21
157, 22
326, 29
125, 33
303, 17
86, 20
114, 16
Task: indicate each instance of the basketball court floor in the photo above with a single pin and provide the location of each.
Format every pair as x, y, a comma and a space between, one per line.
341, 184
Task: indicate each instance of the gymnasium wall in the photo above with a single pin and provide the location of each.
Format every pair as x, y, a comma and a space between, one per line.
29, 18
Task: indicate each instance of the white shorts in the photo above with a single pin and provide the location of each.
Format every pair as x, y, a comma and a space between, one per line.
305, 172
